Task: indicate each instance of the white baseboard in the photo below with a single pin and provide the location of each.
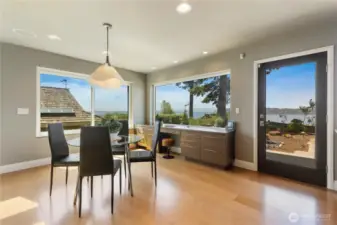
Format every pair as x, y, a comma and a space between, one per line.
245, 165
24, 165
176, 150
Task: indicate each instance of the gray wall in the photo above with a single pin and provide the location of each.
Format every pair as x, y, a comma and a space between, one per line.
19, 90
0, 103
319, 35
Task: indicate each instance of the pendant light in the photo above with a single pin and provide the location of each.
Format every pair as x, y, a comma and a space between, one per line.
184, 7
106, 76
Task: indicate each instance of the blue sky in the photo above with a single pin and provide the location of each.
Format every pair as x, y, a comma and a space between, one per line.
105, 99
291, 86
179, 97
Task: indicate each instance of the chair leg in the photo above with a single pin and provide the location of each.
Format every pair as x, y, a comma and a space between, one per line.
77, 189
102, 177
152, 169
120, 181
51, 179
80, 195
112, 194
91, 185
125, 165
130, 180
67, 175
155, 173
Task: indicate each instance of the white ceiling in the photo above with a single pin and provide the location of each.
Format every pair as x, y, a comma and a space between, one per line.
150, 33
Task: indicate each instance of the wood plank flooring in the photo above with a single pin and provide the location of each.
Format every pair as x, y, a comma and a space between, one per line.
187, 194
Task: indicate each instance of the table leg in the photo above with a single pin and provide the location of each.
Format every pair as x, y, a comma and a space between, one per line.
129, 167
76, 190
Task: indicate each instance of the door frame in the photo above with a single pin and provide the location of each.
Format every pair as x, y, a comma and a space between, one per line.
330, 106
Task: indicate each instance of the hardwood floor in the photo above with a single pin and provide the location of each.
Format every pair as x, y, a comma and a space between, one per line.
187, 194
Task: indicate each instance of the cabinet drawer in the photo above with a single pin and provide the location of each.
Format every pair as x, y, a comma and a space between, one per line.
190, 136
191, 142
213, 156
190, 151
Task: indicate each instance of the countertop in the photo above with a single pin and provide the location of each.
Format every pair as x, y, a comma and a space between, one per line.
220, 130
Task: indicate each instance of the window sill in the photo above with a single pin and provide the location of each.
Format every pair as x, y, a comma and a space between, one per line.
66, 132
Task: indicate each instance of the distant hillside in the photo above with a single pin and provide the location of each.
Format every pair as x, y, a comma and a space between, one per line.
285, 111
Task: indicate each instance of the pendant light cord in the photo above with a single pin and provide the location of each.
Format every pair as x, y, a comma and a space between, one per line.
108, 26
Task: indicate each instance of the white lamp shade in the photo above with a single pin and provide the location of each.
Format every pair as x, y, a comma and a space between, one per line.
106, 76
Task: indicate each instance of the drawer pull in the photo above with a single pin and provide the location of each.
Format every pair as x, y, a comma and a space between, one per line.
210, 150
218, 137
186, 145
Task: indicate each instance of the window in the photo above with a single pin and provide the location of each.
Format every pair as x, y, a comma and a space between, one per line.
112, 103
204, 101
68, 98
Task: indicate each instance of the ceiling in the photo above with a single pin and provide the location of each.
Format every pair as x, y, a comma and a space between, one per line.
150, 33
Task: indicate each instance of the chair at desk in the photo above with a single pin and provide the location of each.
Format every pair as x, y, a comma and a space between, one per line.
167, 143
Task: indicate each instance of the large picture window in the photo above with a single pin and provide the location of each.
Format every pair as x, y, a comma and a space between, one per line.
112, 103
202, 101
68, 98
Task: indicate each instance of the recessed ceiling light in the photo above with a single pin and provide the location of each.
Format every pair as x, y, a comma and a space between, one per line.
176, 61
204, 52
24, 32
153, 67
54, 37
184, 7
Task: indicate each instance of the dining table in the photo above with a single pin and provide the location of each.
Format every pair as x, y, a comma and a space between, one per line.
116, 141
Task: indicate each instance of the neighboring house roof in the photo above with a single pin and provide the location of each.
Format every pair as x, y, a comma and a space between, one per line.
59, 105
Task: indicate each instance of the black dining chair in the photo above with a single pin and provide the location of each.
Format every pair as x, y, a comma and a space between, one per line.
142, 155
96, 159
120, 150
60, 156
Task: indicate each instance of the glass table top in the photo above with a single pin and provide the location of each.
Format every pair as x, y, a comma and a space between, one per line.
120, 140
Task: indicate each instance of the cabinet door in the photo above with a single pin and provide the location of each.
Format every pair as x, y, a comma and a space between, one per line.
213, 149
190, 150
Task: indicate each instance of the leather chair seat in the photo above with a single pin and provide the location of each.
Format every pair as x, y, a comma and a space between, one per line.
141, 155
70, 160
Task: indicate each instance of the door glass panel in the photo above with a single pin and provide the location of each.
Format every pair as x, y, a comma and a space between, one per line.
290, 113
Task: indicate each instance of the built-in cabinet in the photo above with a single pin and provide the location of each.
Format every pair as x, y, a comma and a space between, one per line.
208, 147
212, 148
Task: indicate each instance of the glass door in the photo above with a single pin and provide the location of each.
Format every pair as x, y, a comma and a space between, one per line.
292, 108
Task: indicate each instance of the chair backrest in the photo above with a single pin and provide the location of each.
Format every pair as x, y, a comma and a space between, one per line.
95, 151
125, 128
57, 141
155, 137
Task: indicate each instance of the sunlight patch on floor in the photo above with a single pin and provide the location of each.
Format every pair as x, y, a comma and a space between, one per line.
70, 168
39, 223
15, 206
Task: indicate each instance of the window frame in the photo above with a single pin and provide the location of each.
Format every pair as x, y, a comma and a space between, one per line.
62, 73
173, 81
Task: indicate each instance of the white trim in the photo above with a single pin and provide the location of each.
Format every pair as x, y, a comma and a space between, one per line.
194, 77
66, 132
130, 107
245, 165
24, 165
330, 105
62, 73
176, 149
